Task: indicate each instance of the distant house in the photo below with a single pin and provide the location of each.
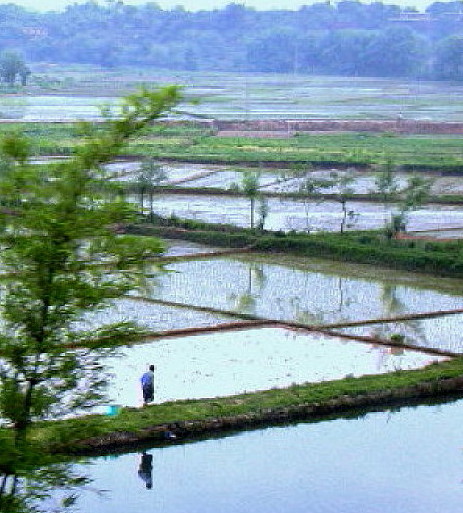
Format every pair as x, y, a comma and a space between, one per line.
34, 32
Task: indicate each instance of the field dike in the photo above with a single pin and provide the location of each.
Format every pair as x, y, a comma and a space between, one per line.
291, 127
179, 421
181, 430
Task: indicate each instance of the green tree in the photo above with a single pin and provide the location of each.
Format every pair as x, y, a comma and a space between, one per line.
309, 188
250, 185
412, 197
61, 256
12, 65
386, 182
264, 210
396, 51
387, 187
449, 58
344, 183
149, 177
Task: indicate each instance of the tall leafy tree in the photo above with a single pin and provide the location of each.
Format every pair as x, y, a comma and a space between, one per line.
62, 255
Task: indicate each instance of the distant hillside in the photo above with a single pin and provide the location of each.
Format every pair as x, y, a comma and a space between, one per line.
347, 38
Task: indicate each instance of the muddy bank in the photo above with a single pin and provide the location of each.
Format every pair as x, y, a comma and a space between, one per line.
181, 430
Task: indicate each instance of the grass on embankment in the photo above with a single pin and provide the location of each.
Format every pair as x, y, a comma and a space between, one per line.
195, 144
409, 152
368, 247
204, 415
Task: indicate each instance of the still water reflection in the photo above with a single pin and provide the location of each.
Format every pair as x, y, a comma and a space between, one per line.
232, 362
306, 290
296, 215
409, 461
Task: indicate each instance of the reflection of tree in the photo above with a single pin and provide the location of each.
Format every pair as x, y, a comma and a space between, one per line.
339, 301
33, 486
257, 276
412, 331
392, 305
306, 317
246, 302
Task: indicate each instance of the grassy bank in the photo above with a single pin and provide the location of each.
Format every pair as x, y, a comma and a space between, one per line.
187, 418
192, 143
411, 153
443, 199
373, 247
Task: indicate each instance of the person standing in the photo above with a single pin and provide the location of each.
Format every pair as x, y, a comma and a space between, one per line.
147, 385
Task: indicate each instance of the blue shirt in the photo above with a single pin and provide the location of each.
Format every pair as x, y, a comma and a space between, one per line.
147, 379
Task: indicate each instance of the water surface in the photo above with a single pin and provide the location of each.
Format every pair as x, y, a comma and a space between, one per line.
442, 332
232, 362
298, 215
407, 461
301, 289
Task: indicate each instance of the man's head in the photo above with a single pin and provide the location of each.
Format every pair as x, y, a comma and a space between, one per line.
152, 368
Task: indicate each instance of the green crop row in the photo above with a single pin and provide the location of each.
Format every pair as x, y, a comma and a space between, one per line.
190, 142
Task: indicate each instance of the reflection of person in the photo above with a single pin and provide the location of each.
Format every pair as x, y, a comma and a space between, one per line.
145, 471
147, 385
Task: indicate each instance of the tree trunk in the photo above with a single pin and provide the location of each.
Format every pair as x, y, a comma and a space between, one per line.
344, 216
252, 212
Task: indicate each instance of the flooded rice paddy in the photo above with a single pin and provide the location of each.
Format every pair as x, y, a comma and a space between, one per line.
151, 316
301, 215
296, 289
407, 460
440, 235
309, 291
232, 362
306, 290
439, 332
207, 176
184, 248
251, 96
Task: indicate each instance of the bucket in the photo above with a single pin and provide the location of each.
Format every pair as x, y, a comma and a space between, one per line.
113, 409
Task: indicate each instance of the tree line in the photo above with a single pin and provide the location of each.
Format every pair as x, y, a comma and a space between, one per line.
347, 38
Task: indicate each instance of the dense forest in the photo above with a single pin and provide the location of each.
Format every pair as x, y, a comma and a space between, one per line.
347, 38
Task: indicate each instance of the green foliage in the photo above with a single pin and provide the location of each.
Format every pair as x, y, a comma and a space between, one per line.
386, 182
348, 38
149, 177
13, 65
250, 185
62, 255
373, 247
449, 58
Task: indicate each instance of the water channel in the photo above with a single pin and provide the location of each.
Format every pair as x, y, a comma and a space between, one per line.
408, 460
